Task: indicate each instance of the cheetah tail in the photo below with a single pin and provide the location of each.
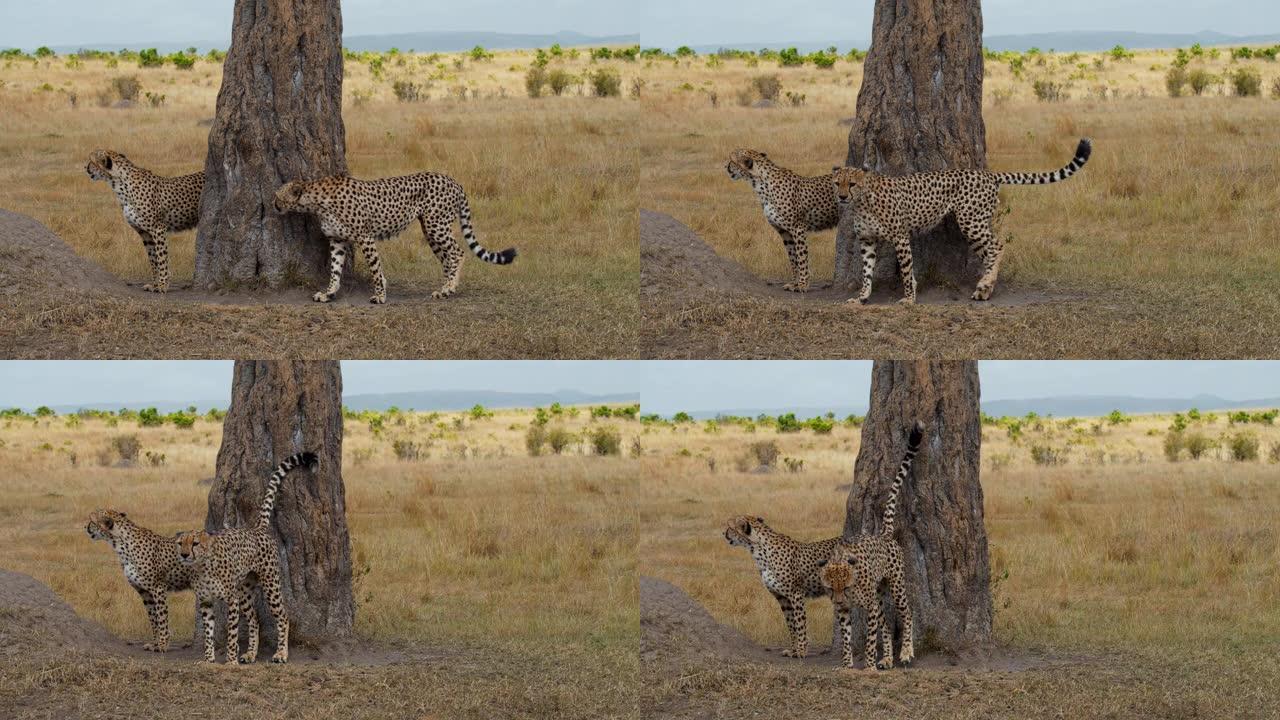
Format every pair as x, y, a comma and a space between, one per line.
273, 485
1083, 150
506, 257
891, 506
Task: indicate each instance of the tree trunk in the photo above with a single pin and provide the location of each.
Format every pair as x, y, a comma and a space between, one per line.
279, 118
279, 408
940, 510
919, 109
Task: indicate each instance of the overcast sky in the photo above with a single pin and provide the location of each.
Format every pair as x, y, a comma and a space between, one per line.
29, 384
665, 23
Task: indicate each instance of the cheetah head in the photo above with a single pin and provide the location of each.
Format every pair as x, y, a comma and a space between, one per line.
745, 163
106, 524
106, 164
292, 197
836, 575
848, 183
192, 546
743, 530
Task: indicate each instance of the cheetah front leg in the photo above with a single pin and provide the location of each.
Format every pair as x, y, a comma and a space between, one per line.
797, 626
337, 259
875, 619
370, 251
868, 268
159, 268
798, 254
233, 630
206, 620
845, 617
902, 247
157, 605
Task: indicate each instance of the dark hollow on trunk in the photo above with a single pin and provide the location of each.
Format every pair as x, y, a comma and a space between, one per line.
279, 118
919, 109
940, 524
279, 408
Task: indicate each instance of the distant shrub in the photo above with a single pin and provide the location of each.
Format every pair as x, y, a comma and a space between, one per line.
821, 425
559, 438
1200, 80
1119, 53
181, 420
768, 87
765, 452
1174, 80
43, 52
479, 412
535, 439
1197, 444
1273, 454
823, 61
559, 80
534, 78
685, 51
408, 450
479, 54
790, 57
149, 58
606, 440
1246, 81
1048, 90
1048, 455
1243, 446
408, 91
1275, 87
126, 447
1173, 443
182, 61
150, 417
605, 82
788, 424
681, 417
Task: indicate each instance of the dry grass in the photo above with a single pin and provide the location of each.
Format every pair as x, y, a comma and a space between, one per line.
553, 177
1168, 221
1113, 551
473, 546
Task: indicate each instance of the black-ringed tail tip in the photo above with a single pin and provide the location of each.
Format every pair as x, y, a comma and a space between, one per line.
917, 432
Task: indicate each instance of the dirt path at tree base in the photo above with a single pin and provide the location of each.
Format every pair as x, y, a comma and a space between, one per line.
695, 667
56, 304
55, 664
698, 305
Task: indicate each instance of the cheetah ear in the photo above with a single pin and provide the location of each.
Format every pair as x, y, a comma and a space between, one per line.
822, 563
836, 168
107, 163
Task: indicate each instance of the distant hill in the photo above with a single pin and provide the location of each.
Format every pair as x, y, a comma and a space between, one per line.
1067, 41
1074, 406
427, 400
418, 41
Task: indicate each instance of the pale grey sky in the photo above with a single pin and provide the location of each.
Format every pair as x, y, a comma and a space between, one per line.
665, 23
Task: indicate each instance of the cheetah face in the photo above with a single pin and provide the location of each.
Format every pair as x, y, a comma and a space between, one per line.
836, 575
192, 546
105, 164
744, 163
848, 183
105, 524
743, 530
291, 197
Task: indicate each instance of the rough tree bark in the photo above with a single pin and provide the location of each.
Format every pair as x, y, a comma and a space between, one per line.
940, 522
279, 118
279, 408
919, 109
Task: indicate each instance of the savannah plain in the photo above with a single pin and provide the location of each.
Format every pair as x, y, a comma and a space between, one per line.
489, 582
1127, 582
553, 176
1163, 245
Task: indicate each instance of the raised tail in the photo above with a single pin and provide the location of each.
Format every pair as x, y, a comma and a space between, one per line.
1083, 150
891, 506
273, 485
506, 257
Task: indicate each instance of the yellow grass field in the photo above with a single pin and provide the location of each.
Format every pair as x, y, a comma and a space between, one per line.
553, 177
1116, 558
1165, 230
475, 548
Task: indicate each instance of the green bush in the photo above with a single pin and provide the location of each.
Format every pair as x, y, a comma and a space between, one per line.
150, 417
1197, 444
558, 439
1175, 79
605, 82
821, 425
788, 424
559, 80
1200, 80
790, 57
606, 440
1048, 455
149, 58
535, 438
43, 52
682, 417
1246, 81
534, 78
1048, 90
479, 54
1173, 443
1243, 446
408, 91
181, 420
478, 412
182, 61
408, 450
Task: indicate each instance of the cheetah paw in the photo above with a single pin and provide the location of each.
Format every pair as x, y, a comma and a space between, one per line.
796, 287
322, 297
155, 647
856, 301
907, 301
149, 287
885, 664
378, 300
982, 294
793, 653
279, 659
247, 659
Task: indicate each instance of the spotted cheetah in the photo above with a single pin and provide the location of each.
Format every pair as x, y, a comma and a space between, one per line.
793, 204
151, 566
789, 569
153, 205
227, 565
892, 208
856, 570
365, 211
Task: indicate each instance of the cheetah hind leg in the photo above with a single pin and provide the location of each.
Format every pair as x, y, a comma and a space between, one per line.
337, 260
907, 653
370, 252
449, 253
250, 615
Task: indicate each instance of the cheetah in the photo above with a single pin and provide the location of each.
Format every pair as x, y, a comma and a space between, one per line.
151, 566
153, 206
892, 208
227, 565
855, 571
789, 569
793, 204
365, 211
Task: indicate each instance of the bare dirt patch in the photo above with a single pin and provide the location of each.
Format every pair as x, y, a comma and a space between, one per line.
697, 304
695, 667
56, 304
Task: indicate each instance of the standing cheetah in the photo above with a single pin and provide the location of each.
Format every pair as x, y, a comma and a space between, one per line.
892, 208
793, 205
228, 564
150, 563
153, 205
855, 571
365, 211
